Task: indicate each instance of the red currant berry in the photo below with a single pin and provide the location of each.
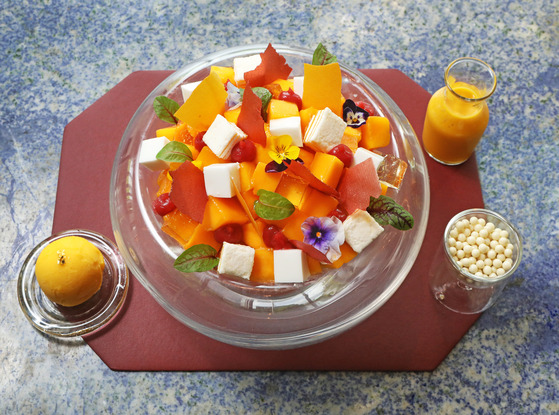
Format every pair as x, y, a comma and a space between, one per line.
244, 150
199, 141
163, 204
274, 238
338, 213
344, 153
231, 232
291, 96
366, 106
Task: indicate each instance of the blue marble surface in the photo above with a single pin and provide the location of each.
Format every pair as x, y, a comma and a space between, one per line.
58, 57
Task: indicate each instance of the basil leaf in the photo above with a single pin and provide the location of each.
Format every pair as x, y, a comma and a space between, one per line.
174, 151
387, 212
165, 109
197, 258
321, 56
272, 206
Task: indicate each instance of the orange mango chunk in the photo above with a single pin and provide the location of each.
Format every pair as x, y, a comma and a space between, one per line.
351, 138
292, 188
316, 203
207, 157
232, 115
327, 168
168, 132
246, 169
375, 133
347, 255
322, 87
262, 155
285, 84
282, 109
306, 116
263, 267
202, 236
179, 226
253, 236
263, 180
225, 73
204, 104
292, 228
314, 265
306, 155
164, 181
221, 211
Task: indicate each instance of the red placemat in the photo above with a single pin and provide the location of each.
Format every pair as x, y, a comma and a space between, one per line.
410, 332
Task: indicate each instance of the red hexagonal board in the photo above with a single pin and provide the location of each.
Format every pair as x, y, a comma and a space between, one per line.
410, 332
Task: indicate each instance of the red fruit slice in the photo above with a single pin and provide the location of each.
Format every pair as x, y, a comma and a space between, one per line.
188, 191
306, 175
272, 67
358, 184
310, 251
250, 118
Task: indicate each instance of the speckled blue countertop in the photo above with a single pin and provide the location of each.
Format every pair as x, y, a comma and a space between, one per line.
58, 57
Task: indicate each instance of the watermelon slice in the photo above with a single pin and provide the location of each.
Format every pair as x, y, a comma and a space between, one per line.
271, 68
358, 184
310, 251
250, 118
188, 191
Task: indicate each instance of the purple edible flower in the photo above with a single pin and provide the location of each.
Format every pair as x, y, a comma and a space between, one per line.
354, 116
233, 95
326, 234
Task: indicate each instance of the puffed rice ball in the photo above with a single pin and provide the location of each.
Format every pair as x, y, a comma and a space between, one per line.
480, 248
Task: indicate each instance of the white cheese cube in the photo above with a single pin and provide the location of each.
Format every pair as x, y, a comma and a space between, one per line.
236, 260
219, 178
290, 126
187, 89
362, 154
290, 266
325, 131
298, 85
360, 230
222, 136
149, 149
246, 64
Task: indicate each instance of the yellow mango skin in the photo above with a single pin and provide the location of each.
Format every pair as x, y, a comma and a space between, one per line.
375, 133
221, 211
316, 203
205, 103
278, 108
322, 87
263, 180
202, 236
263, 268
327, 168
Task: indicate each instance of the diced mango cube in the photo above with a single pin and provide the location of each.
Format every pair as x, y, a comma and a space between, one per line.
278, 108
249, 197
292, 228
225, 73
263, 180
285, 84
322, 87
306, 115
316, 203
375, 133
351, 138
221, 211
262, 155
179, 226
168, 132
292, 188
164, 181
206, 157
327, 168
205, 103
246, 169
253, 236
263, 267
202, 236
347, 255
307, 156
314, 265
232, 115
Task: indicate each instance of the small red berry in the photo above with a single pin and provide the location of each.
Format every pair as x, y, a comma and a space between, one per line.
163, 204
344, 153
338, 213
231, 232
244, 150
199, 141
366, 106
274, 238
291, 96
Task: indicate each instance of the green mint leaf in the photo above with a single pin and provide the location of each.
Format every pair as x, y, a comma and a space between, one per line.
265, 96
197, 258
272, 206
321, 56
174, 151
165, 109
387, 212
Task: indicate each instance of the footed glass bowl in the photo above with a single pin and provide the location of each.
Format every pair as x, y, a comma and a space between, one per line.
263, 316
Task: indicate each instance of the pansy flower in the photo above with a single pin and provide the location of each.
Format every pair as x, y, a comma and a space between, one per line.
282, 152
326, 234
234, 97
354, 116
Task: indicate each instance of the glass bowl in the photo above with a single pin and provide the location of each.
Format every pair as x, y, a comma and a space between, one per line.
260, 316
56, 320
